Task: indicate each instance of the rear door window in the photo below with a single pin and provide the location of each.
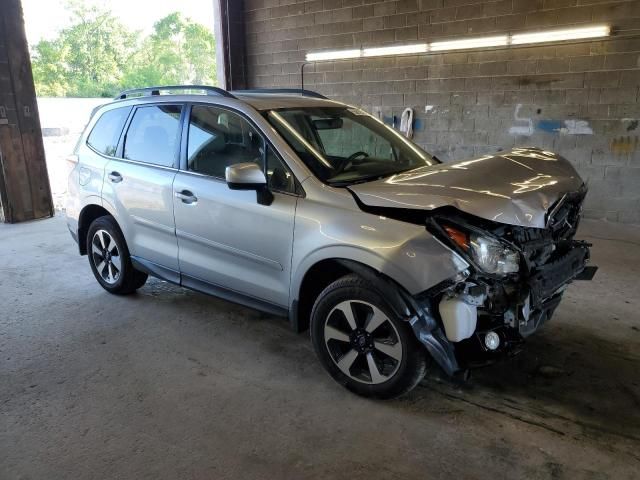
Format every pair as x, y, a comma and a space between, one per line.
153, 135
106, 132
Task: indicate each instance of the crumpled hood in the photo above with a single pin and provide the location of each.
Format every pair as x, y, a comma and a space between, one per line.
515, 188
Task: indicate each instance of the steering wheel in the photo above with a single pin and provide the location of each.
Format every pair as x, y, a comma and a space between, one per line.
348, 161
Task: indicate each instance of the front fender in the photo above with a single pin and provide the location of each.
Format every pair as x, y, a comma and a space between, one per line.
405, 252
338, 252
416, 264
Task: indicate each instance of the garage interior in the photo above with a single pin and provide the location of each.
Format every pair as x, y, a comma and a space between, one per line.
168, 383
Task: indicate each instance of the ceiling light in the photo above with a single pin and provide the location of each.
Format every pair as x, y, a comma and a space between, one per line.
559, 35
593, 31
333, 55
395, 50
469, 43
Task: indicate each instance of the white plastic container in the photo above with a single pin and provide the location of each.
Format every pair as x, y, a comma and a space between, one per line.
459, 318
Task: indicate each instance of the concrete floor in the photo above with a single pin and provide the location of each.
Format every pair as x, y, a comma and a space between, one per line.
173, 384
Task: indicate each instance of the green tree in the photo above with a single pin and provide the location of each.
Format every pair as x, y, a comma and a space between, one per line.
87, 58
97, 55
177, 52
49, 73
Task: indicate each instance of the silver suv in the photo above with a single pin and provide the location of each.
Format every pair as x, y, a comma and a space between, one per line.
306, 208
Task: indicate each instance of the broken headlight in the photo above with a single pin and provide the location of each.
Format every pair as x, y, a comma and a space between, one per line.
489, 254
492, 256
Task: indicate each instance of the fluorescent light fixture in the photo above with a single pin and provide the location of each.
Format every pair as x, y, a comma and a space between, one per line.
470, 43
593, 31
560, 35
334, 55
395, 50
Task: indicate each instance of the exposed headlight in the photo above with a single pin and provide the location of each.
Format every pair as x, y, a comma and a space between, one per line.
492, 256
489, 254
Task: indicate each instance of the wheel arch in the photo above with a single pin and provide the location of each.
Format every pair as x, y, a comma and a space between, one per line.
87, 215
327, 270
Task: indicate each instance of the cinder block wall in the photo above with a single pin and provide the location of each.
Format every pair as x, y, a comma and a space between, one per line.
581, 100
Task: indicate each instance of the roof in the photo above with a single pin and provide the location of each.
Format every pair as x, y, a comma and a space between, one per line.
261, 99
270, 101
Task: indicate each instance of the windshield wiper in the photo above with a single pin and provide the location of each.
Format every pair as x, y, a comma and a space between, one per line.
370, 178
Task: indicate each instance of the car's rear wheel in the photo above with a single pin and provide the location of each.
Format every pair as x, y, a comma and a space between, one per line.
109, 258
362, 343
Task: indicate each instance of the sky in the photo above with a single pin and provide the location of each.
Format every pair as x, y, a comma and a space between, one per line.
44, 18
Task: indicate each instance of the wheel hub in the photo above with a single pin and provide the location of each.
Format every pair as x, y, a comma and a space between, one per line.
361, 340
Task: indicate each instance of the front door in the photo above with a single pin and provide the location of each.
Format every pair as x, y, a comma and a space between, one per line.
227, 241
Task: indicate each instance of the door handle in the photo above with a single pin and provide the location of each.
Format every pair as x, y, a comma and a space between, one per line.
187, 197
115, 177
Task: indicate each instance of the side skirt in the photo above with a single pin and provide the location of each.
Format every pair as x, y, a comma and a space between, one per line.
208, 288
233, 296
155, 270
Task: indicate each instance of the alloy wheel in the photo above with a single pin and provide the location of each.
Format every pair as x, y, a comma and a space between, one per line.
362, 342
106, 256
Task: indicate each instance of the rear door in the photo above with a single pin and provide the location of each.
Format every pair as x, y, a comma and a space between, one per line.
229, 243
139, 186
87, 178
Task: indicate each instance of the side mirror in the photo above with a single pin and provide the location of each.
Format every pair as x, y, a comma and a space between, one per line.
249, 176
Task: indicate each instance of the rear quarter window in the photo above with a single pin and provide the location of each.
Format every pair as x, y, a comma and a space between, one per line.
106, 132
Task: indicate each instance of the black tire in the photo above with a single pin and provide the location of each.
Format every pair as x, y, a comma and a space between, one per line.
128, 278
350, 290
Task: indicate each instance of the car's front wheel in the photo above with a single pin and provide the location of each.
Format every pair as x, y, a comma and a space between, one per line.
362, 343
109, 258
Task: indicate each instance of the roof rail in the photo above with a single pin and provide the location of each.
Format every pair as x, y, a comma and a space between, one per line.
294, 91
140, 92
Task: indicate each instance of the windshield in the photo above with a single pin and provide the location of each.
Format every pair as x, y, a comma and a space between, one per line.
346, 145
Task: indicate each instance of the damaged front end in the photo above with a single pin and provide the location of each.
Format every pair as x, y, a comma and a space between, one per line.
512, 217
515, 281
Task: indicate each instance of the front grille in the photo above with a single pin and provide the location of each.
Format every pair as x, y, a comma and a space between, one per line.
564, 215
541, 246
537, 245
